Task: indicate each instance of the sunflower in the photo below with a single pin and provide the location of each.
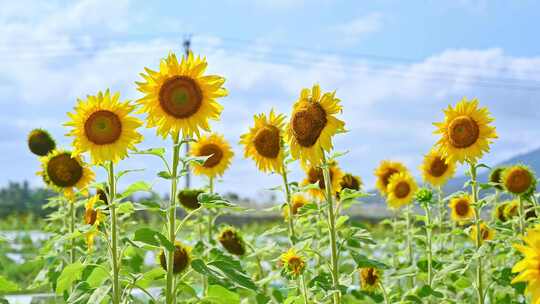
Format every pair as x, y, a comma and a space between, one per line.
466, 132
179, 98
189, 198
220, 153
461, 208
518, 180
436, 170
182, 258
383, 173
495, 177
529, 266
63, 172
298, 200
263, 142
92, 217
40, 142
313, 124
401, 189
232, 241
499, 212
352, 182
369, 278
102, 125
512, 209
314, 175
293, 263
485, 232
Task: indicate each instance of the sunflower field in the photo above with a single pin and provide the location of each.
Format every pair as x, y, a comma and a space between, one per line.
478, 245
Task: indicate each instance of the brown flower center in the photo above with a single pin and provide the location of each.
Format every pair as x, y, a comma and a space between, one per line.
181, 259
180, 96
350, 182
296, 206
40, 142
296, 265
463, 132
307, 124
267, 141
90, 216
64, 171
230, 241
316, 175
518, 180
484, 232
215, 151
402, 189
103, 127
385, 177
189, 198
370, 277
438, 167
462, 207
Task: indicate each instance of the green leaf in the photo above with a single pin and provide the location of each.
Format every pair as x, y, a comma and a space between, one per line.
164, 174
7, 286
159, 152
124, 172
199, 160
151, 276
70, 274
140, 186
234, 274
125, 208
153, 238
362, 261
99, 294
97, 277
213, 200
220, 295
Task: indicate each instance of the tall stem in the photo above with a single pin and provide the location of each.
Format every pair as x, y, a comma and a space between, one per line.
521, 215
71, 230
292, 236
409, 241
429, 245
478, 243
169, 294
114, 236
442, 215
210, 219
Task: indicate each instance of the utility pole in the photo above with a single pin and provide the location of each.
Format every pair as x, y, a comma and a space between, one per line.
187, 49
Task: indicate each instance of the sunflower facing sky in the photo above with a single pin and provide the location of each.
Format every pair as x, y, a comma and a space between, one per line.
461, 208
314, 175
102, 126
220, 153
401, 189
466, 132
383, 173
179, 98
529, 266
313, 124
436, 170
263, 142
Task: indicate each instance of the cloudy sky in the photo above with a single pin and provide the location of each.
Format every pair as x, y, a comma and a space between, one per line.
394, 64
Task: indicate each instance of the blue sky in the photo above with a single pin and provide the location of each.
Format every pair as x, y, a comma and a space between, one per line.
394, 64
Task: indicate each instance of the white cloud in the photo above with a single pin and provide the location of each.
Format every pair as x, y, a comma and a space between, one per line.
356, 29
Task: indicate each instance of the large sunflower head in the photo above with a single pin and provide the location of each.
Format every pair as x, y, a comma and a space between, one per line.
102, 126
314, 175
263, 142
401, 190
495, 177
486, 233
518, 180
182, 258
461, 208
40, 142
293, 263
64, 172
369, 278
383, 173
179, 98
313, 124
298, 200
220, 153
436, 170
232, 241
529, 266
466, 132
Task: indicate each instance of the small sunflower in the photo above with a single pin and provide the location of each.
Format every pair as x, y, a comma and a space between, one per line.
518, 180
529, 266
499, 212
369, 278
179, 98
352, 182
512, 209
220, 153
263, 142
102, 125
40, 142
401, 190
298, 200
182, 258
313, 124
102, 196
92, 217
232, 241
293, 263
466, 132
188, 198
436, 169
64, 172
461, 208
486, 233
314, 175
383, 173
495, 177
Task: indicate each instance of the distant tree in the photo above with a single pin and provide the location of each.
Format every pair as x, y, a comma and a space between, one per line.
19, 199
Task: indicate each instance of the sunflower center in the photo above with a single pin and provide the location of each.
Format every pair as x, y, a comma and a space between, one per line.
518, 181
64, 171
307, 124
385, 178
316, 175
370, 277
215, 151
462, 208
267, 141
438, 167
296, 264
103, 127
350, 182
90, 216
402, 189
463, 132
484, 232
296, 206
180, 96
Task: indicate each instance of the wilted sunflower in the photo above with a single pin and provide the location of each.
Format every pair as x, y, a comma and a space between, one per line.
63, 172
486, 233
263, 142
298, 200
518, 179
182, 258
314, 175
220, 153
232, 241
102, 126
188, 198
499, 212
512, 209
40, 142
313, 124
529, 266
495, 177
466, 132
293, 263
369, 278
436, 170
401, 190
383, 173
461, 208
92, 217
179, 98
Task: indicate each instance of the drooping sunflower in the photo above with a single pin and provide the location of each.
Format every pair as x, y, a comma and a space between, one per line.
498, 212
189, 198
369, 278
383, 173
102, 126
92, 217
461, 208
314, 175
298, 200
466, 132
486, 233
63, 172
220, 153
179, 98
232, 241
352, 182
436, 170
293, 263
182, 258
263, 142
495, 177
401, 189
313, 124
518, 180
529, 266
40, 142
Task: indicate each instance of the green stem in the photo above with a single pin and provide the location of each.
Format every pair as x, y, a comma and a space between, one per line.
304, 289
385, 295
429, 236
114, 236
210, 219
409, 241
442, 215
170, 291
521, 216
71, 230
292, 236
478, 243
332, 231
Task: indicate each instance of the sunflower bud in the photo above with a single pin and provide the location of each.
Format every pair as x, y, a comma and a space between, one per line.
232, 241
40, 142
189, 198
424, 196
182, 258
